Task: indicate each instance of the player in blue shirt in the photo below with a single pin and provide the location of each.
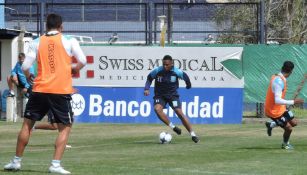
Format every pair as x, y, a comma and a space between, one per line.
18, 78
166, 85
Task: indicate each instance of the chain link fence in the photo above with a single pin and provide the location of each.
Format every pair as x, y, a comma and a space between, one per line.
139, 23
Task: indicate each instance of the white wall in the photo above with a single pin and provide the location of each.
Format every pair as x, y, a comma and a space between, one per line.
9, 55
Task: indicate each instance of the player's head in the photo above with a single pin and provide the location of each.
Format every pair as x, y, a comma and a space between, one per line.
21, 57
167, 62
54, 22
287, 68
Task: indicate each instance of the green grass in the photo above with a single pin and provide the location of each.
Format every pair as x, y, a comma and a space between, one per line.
124, 149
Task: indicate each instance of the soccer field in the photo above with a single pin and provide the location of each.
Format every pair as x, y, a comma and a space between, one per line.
107, 149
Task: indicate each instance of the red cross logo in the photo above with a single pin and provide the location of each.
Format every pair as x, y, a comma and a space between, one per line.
89, 73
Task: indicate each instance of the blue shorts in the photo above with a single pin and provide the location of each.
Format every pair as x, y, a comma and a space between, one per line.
40, 104
173, 101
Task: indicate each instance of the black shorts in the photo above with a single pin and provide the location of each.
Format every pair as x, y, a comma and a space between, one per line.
50, 117
40, 103
284, 119
173, 101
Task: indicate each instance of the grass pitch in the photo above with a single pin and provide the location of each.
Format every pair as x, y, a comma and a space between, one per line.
125, 149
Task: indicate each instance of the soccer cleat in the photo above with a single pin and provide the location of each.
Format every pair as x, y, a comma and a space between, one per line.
10, 94
68, 146
287, 146
58, 169
195, 139
269, 129
177, 130
13, 166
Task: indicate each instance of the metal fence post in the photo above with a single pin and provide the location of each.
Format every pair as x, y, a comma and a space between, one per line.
149, 19
41, 20
169, 21
260, 106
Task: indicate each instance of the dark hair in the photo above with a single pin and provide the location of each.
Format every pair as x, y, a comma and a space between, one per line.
287, 67
54, 21
167, 57
21, 55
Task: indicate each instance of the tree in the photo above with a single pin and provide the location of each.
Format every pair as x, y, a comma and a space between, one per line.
285, 21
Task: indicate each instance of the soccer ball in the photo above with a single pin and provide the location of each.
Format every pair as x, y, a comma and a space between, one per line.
165, 137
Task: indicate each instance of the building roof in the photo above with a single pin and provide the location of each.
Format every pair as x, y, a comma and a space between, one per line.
12, 33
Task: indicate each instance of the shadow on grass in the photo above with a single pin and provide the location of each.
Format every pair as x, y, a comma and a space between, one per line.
24, 171
259, 148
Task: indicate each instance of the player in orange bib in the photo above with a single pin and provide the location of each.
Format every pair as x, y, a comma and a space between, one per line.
276, 105
52, 88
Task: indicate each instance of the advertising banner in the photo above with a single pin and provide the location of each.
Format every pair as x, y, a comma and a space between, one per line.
129, 105
118, 66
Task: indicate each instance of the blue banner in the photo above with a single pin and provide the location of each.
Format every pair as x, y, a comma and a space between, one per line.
129, 105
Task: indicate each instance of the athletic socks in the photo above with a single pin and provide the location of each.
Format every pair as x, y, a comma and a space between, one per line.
56, 163
16, 159
192, 133
171, 125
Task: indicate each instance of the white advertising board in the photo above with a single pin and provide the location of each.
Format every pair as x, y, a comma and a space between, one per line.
116, 66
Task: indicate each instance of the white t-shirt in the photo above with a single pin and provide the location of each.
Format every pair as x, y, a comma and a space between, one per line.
277, 88
70, 44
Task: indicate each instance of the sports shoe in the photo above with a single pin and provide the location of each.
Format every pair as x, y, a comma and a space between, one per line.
269, 129
177, 130
195, 139
287, 146
13, 166
58, 169
68, 146
10, 94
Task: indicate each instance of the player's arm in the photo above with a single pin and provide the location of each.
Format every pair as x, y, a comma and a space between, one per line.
151, 76
182, 75
29, 60
187, 80
79, 55
277, 88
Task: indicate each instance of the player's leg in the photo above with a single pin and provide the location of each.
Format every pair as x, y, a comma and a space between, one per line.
63, 116
46, 126
24, 136
286, 137
11, 80
22, 141
186, 124
35, 110
270, 125
289, 123
60, 143
162, 116
176, 106
51, 125
290, 117
159, 104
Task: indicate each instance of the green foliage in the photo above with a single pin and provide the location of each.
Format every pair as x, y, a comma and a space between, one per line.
239, 23
285, 22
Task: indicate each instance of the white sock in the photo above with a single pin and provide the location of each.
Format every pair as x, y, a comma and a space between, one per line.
12, 92
171, 125
33, 128
192, 133
286, 143
273, 124
16, 159
56, 163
